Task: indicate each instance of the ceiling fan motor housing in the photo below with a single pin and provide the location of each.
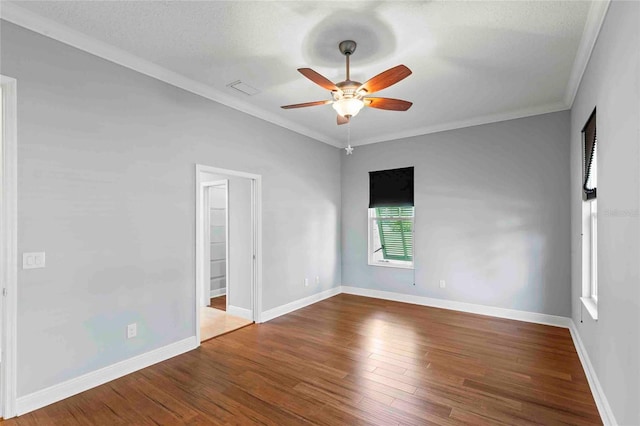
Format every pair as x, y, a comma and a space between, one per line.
349, 88
347, 47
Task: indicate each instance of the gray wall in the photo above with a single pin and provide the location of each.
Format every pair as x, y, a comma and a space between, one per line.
612, 84
106, 181
106, 188
492, 214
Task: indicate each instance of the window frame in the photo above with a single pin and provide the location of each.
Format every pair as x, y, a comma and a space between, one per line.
589, 207
590, 257
372, 227
593, 248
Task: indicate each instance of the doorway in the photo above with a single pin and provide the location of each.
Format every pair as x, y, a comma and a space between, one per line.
216, 245
8, 245
228, 267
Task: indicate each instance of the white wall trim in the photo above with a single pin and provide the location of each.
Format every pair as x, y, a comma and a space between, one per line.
492, 311
256, 223
474, 121
533, 317
595, 19
300, 303
239, 312
596, 389
90, 380
218, 292
9, 245
52, 29
256, 277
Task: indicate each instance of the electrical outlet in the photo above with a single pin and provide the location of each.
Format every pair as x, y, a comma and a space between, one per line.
443, 284
33, 260
132, 330
317, 280
306, 282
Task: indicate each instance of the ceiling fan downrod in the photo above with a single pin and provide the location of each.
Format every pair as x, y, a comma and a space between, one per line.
347, 47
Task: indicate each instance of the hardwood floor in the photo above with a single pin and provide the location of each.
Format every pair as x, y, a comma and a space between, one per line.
219, 302
214, 323
351, 360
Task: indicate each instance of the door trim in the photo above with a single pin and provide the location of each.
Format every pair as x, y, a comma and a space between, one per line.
256, 233
9, 246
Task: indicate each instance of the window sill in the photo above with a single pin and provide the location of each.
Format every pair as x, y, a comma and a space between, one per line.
591, 305
390, 265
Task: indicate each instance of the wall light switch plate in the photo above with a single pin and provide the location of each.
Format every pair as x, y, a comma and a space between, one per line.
443, 284
33, 260
306, 282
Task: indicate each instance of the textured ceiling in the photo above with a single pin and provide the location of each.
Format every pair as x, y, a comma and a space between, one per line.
470, 60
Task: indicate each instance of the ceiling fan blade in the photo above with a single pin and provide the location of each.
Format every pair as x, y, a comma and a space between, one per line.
342, 120
318, 79
306, 104
388, 103
386, 79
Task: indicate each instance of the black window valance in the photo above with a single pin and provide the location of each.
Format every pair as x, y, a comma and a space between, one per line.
590, 138
391, 188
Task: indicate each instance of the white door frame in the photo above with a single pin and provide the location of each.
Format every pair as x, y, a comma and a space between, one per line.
207, 240
256, 235
9, 245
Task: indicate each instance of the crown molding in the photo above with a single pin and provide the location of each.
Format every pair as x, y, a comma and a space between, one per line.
595, 19
477, 121
47, 27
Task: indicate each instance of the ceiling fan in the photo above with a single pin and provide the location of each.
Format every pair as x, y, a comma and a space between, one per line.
350, 96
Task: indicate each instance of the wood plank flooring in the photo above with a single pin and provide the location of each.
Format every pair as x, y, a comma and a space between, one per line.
219, 302
350, 360
214, 323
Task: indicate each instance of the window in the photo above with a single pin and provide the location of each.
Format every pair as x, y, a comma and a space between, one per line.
590, 218
391, 236
391, 218
593, 216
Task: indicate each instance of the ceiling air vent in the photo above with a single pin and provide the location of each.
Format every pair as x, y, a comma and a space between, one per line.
243, 87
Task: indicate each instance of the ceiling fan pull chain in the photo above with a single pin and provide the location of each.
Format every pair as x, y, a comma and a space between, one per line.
349, 149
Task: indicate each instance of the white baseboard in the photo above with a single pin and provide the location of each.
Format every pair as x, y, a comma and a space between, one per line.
240, 312
491, 311
596, 390
218, 292
90, 380
300, 303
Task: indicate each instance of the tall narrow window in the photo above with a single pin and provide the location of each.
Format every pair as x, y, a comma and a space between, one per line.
391, 218
590, 156
593, 216
590, 217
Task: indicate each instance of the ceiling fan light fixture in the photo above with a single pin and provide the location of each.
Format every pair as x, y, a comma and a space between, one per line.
350, 96
349, 107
